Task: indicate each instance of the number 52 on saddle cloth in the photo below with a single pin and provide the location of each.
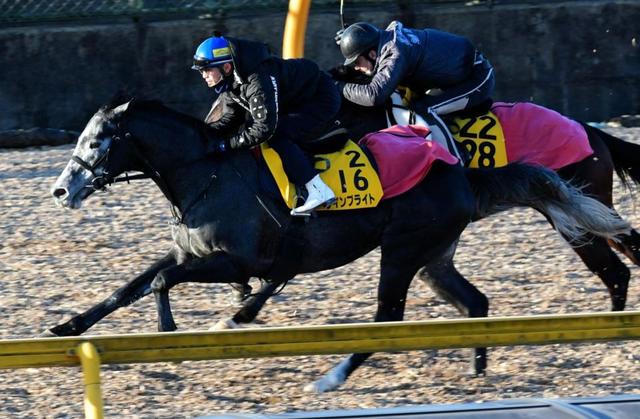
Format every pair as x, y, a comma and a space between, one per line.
402, 159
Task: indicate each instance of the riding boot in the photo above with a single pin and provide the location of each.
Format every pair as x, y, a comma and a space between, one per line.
319, 194
441, 134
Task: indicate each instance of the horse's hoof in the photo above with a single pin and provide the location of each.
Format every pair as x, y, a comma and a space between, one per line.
474, 372
225, 324
47, 334
322, 385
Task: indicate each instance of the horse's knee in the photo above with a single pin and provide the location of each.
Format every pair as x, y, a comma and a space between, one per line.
159, 283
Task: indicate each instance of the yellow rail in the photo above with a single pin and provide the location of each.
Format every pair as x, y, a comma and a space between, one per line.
332, 339
309, 340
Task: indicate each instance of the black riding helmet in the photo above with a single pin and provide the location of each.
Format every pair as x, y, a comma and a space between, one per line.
358, 39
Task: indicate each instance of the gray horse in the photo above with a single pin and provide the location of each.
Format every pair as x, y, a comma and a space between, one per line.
227, 228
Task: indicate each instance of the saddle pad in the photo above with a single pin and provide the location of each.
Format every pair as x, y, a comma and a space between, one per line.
403, 156
537, 135
348, 172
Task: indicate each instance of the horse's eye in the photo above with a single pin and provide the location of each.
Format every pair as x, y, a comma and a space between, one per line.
94, 144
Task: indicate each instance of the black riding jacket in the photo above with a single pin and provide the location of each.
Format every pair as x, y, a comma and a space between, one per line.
263, 87
415, 58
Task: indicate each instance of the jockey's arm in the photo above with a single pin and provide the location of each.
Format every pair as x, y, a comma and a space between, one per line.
230, 120
262, 98
384, 82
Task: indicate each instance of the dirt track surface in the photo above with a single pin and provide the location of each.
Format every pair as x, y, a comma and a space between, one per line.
56, 263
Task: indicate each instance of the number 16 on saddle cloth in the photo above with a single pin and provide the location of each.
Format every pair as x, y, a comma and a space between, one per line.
348, 172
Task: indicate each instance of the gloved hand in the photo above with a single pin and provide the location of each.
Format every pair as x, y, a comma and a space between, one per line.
338, 37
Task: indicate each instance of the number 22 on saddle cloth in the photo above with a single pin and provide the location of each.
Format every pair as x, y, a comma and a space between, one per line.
348, 172
483, 138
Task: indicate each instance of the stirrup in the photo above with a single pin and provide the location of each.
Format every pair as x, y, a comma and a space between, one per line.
308, 213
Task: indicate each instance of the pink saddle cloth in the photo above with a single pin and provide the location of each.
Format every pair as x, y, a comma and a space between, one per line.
403, 156
537, 135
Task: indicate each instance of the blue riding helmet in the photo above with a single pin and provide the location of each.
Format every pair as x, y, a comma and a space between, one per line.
212, 52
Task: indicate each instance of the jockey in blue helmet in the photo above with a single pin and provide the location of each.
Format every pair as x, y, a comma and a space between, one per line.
212, 52
267, 98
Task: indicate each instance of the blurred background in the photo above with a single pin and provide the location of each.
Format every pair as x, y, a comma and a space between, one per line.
62, 59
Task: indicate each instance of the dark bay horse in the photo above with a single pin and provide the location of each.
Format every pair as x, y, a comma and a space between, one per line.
228, 230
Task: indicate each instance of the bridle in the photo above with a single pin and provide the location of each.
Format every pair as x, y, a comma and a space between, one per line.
99, 182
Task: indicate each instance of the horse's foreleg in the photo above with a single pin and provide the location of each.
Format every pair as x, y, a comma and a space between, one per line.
250, 307
215, 268
392, 294
134, 290
445, 280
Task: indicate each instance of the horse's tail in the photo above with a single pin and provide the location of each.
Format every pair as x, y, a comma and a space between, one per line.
571, 212
625, 155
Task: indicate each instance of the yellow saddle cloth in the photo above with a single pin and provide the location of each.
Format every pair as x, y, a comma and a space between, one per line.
348, 172
483, 138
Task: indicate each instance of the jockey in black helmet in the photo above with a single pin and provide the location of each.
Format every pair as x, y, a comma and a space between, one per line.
266, 98
444, 72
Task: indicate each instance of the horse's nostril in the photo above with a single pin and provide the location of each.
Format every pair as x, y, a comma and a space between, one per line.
59, 192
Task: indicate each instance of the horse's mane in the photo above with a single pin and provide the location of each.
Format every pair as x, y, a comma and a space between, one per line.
142, 104
153, 105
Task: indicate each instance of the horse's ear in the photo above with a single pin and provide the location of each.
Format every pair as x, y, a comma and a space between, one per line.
120, 109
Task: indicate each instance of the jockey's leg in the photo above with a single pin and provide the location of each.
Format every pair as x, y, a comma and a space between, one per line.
441, 134
305, 122
472, 92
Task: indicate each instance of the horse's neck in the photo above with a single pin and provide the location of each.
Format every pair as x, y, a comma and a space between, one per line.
174, 156
360, 120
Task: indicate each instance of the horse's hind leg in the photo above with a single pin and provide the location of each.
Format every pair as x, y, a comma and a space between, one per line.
629, 246
445, 280
596, 175
134, 290
392, 294
602, 261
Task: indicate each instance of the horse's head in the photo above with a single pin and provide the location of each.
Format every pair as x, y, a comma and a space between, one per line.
92, 165
143, 136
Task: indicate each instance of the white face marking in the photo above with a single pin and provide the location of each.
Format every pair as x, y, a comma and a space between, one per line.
71, 186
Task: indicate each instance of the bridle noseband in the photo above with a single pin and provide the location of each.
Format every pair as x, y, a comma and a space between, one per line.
100, 182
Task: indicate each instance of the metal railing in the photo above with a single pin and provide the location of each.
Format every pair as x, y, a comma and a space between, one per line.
90, 351
47, 10
29, 11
